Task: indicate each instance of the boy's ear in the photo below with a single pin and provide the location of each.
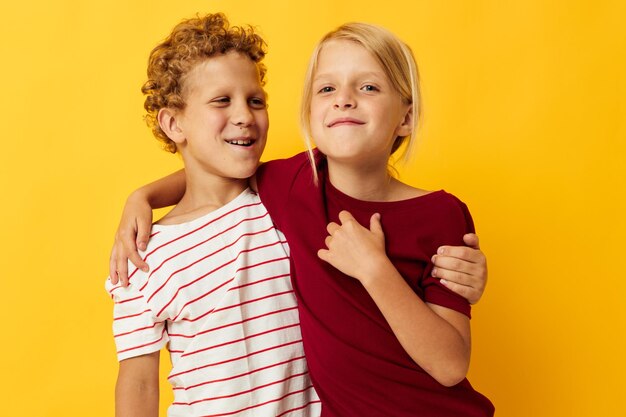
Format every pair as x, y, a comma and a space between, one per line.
405, 128
169, 122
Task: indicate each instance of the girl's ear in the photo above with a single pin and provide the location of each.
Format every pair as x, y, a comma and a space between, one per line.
405, 128
170, 124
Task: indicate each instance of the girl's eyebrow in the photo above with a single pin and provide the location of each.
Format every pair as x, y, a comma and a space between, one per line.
364, 74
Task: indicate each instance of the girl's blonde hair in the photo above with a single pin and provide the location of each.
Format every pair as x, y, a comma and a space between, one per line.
396, 59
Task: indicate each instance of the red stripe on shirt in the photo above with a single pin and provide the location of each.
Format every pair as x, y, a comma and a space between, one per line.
206, 257
207, 240
213, 271
131, 315
240, 375
260, 404
291, 410
202, 227
136, 330
191, 336
129, 300
144, 345
230, 342
235, 394
258, 352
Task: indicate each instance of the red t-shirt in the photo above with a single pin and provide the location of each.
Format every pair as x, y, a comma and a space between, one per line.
356, 363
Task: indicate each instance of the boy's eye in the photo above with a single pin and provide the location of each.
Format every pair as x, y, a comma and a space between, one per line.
369, 87
221, 100
326, 89
257, 102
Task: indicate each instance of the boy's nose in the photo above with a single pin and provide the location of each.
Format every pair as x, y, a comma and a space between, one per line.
242, 116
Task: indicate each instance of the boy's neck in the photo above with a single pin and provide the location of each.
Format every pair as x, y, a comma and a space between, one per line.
204, 194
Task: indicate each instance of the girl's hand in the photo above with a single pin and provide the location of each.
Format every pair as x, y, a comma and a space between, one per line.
353, 249
463, 269
132, 234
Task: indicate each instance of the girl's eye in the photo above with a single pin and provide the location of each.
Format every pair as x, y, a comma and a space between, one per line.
326, 89
369, 87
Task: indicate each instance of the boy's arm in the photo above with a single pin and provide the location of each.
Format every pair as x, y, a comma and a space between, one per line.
463, 269
133, 231
137, 388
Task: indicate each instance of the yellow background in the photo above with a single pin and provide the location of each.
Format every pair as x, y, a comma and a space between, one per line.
524, 120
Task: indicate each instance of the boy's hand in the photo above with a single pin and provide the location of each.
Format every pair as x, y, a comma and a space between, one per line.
132, 235
463, 269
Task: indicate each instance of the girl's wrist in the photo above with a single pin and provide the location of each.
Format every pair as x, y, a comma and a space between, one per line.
376, 270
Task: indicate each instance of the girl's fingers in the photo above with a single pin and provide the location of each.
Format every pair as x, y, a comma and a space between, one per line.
332, 228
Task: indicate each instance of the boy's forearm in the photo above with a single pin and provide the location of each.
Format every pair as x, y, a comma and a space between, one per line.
164, 192
136, 401
137, 388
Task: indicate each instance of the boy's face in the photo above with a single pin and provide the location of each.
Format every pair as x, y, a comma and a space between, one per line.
224, 124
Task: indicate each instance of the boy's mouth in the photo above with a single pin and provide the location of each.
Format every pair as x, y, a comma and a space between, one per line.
241, 142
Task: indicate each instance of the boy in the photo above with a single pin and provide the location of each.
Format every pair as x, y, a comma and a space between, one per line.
218, 292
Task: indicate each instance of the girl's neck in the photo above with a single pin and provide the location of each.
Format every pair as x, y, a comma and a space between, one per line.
362, 181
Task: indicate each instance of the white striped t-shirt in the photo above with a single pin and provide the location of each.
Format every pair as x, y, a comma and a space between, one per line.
219, 295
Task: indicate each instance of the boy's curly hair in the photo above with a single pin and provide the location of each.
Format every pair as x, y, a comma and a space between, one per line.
190, 42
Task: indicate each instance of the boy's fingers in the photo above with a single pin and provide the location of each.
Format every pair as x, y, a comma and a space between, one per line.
471, 240
468, 293
122, 271
143, 234
455, 264
136, 260
458, 278
113, 266
462, 253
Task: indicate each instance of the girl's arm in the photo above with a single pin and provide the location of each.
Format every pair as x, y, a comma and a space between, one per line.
137, 388
133, 231
436, 338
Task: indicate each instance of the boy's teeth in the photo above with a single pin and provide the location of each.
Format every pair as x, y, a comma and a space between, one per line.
240, 142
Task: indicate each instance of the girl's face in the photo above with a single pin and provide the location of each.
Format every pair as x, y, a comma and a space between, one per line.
356, 113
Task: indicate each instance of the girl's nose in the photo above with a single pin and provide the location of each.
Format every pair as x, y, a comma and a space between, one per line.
344, 100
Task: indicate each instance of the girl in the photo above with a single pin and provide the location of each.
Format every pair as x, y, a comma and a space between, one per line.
382, 336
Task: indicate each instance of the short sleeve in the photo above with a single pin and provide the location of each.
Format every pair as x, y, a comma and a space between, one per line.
275, 180
135, 328
456, 221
